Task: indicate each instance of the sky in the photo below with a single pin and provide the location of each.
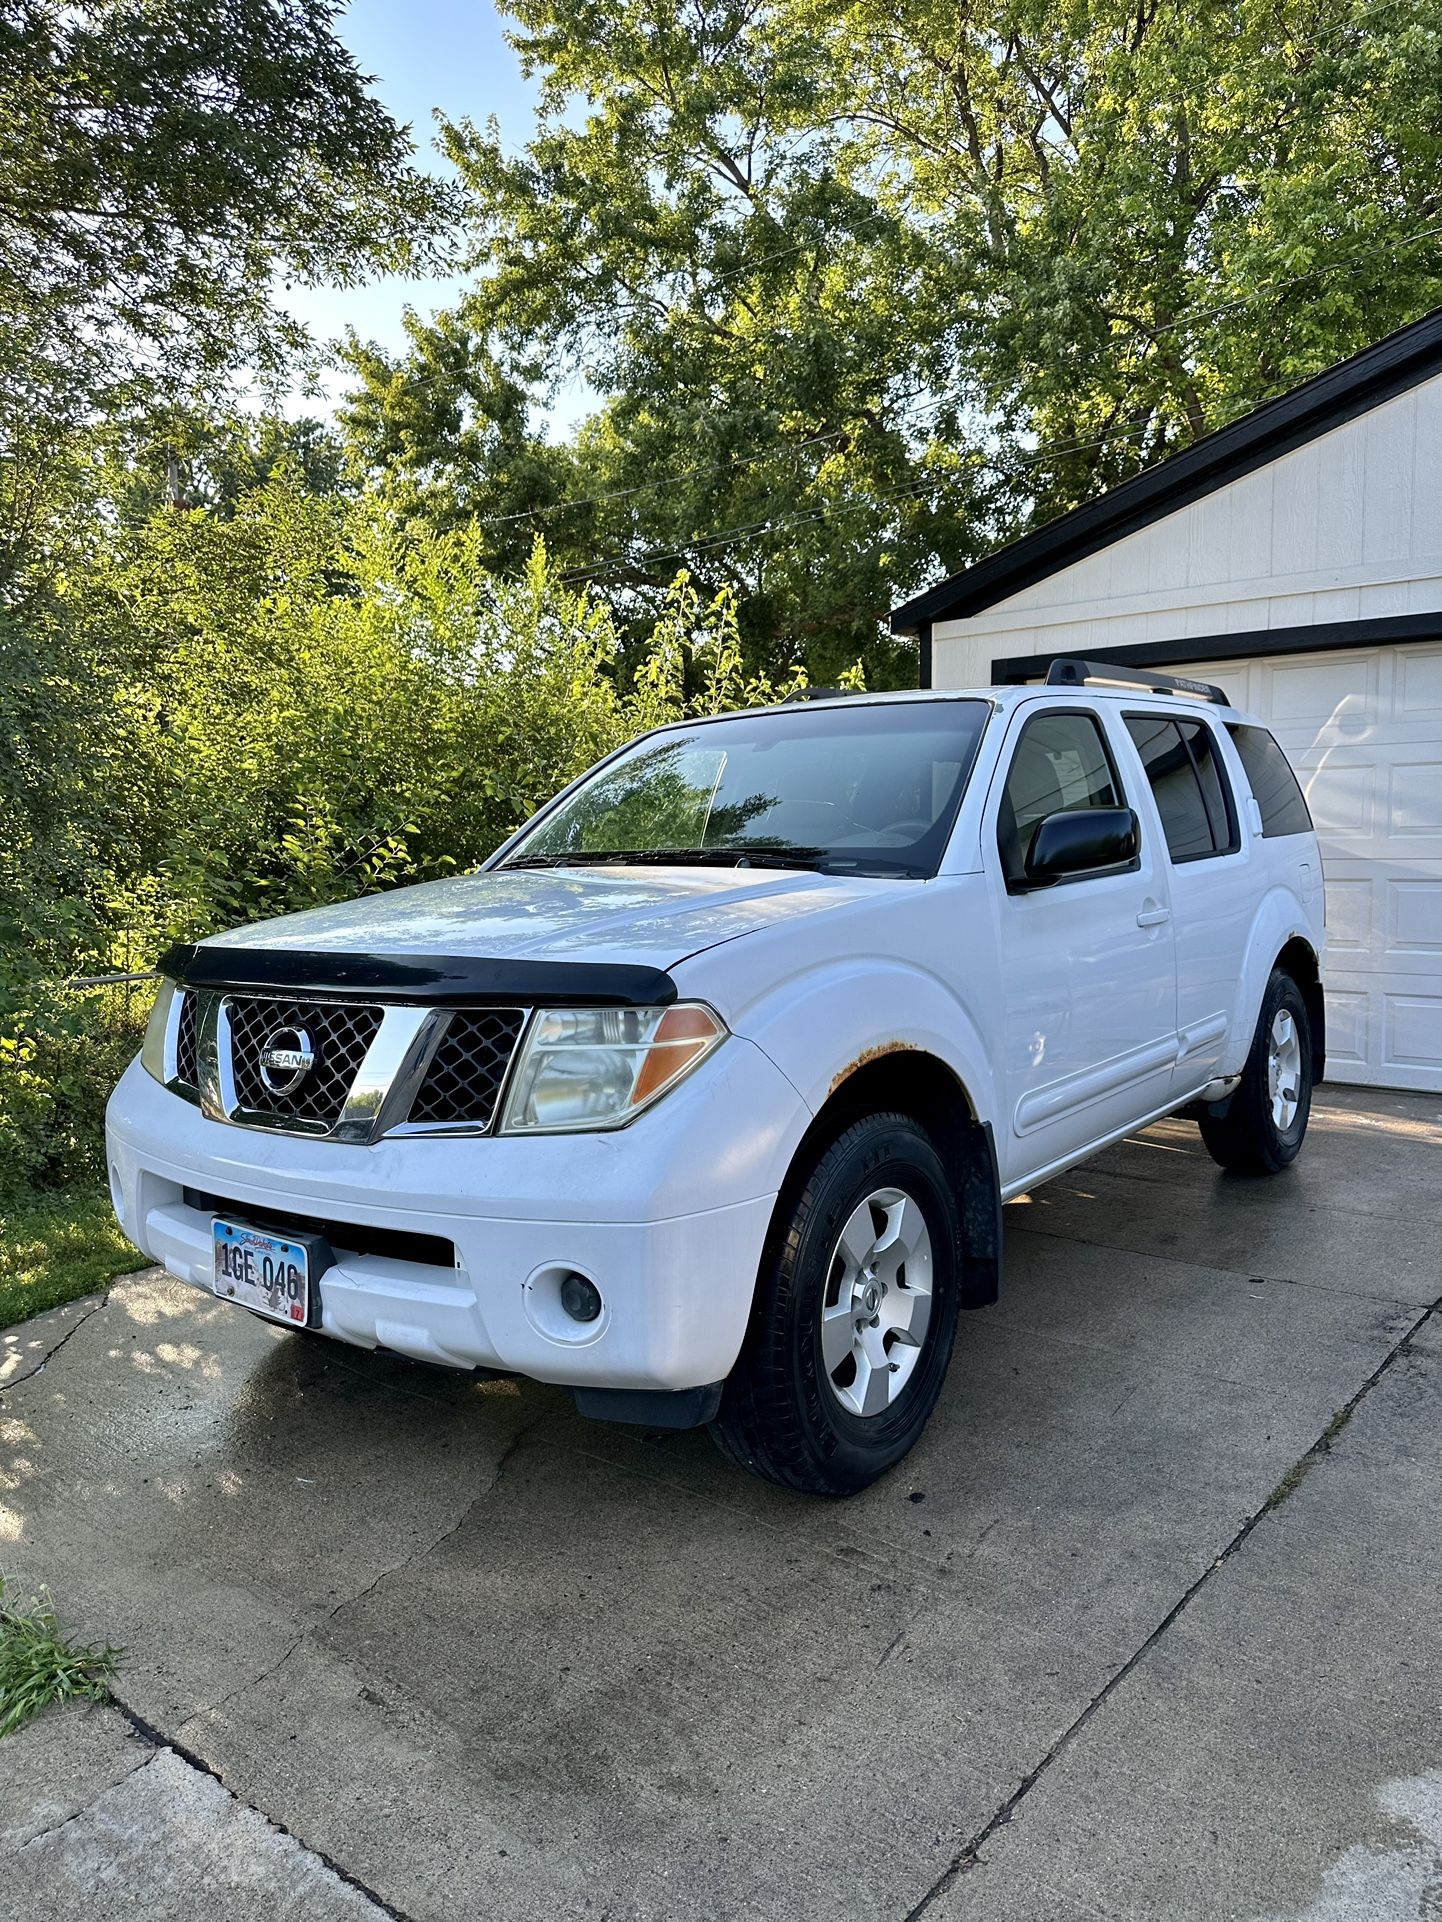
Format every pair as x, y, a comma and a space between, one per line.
424, 54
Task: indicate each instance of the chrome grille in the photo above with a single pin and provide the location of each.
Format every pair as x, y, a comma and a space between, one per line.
340, 1034
186, 1070
463, 1082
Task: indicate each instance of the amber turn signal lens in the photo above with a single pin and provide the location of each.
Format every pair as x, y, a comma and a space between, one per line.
682, 1036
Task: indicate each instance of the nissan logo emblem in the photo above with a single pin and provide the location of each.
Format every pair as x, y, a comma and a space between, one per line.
286, 1059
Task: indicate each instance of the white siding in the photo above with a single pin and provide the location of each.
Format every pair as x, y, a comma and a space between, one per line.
1347, 527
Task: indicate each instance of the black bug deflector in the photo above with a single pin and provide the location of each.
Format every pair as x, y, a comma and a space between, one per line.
425, 980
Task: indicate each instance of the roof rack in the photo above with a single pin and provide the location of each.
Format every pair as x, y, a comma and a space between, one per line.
1070, 673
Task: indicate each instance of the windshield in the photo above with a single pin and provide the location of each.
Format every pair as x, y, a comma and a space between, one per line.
871, 788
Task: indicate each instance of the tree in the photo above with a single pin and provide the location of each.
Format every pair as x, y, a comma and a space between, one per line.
862, 288
163, 165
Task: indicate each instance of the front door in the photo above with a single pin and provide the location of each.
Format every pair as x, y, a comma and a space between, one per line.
1088, 966
1212, 901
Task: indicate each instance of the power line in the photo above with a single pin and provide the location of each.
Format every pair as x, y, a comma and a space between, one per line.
936, 404
918, 484
593, 569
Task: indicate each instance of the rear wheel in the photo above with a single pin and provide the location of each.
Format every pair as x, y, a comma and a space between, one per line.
1265, 1121
855, 1315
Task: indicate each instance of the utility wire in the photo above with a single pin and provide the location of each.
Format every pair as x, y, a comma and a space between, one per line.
596, 568
937, 404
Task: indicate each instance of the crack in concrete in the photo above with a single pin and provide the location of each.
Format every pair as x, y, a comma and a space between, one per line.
195, 1760
51, 1352
161, 1742
408, 1560
55, 1827
969, 1856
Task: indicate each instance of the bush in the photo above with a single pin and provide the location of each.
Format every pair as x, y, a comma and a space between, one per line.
300, 703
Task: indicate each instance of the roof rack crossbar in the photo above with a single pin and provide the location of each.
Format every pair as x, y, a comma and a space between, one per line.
1073, 673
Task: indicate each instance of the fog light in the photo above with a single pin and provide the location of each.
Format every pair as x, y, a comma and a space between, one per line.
580, 1298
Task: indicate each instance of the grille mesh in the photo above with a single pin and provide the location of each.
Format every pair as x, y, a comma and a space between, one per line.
186, 1067
464, 1079
340, 1035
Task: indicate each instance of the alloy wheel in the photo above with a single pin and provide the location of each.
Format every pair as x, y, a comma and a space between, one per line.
877, 1305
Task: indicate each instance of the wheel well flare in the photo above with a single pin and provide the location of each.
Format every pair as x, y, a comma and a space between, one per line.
902, 1078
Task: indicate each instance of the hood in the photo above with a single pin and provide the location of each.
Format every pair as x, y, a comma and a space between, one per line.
651, 917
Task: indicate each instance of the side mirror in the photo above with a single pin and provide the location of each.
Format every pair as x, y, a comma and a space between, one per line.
1080, 841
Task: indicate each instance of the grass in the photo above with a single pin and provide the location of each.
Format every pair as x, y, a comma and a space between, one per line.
55, 1247
39, 1665
1298, 1472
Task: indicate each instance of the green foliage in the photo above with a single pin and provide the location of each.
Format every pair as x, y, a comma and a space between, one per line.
40, 1665
291, 700
859, 289
56, 1247
862, 288
61, 1052
165, 165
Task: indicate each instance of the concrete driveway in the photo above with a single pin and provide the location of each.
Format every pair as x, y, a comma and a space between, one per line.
1148, 1626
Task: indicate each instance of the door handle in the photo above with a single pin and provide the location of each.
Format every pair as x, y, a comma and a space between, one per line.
1153, 917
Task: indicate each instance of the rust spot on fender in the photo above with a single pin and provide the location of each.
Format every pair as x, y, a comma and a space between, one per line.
867, 1056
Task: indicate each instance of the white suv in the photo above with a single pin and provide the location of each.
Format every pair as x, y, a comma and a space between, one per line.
703, 1096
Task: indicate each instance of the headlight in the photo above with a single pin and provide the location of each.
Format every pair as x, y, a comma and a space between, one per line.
598, 1067
152, 1049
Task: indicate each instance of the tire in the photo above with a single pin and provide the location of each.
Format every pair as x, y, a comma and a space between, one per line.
794, 1409
1256, 1134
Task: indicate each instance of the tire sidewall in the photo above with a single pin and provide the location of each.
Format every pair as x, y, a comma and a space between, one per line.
1283, 1145
890, 1153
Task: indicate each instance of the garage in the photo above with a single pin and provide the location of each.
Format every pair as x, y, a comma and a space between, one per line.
1295, 558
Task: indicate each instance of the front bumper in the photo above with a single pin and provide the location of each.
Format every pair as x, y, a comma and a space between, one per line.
666, 1217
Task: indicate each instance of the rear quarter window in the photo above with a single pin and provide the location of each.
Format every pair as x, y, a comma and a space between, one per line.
1284, 810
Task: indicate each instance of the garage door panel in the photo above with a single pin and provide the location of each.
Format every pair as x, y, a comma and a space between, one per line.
1342, 796
1351, 915
1414, 803
1414, 920
1417, 692
1321, 691
1363, 729
1349, 1023
1412, 1028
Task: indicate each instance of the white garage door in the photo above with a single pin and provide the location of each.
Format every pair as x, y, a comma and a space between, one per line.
1364, 732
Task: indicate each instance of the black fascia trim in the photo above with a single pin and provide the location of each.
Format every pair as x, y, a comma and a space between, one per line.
1328, 400
651, 1407
429, 980
1321, 637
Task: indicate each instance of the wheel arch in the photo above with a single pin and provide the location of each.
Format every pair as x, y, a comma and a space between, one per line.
900, 1078
1298, 958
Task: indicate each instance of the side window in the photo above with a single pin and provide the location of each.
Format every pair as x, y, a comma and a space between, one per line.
1216, 789
1284, 811
1186, 784
1060, 764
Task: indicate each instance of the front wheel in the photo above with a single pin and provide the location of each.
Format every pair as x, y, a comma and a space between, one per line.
855, 1315
1261, 1130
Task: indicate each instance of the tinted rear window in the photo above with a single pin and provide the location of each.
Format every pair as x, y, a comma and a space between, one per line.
1175, 788
1284, 811
1216, 790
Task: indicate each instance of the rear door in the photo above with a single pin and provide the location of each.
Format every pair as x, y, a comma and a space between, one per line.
1214, 889
1087, 970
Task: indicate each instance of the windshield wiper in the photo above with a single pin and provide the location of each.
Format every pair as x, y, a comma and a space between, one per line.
732, 857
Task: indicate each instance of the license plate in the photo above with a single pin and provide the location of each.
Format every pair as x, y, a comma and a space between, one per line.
265, 1272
